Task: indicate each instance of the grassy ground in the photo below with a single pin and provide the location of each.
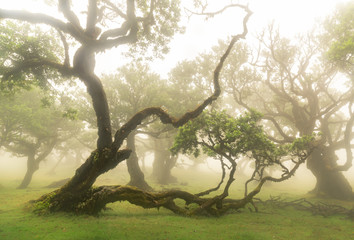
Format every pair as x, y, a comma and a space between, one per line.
126, 221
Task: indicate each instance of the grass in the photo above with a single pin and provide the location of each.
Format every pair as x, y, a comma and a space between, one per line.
126, 221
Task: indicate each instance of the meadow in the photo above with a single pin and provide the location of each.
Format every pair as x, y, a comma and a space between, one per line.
125, 221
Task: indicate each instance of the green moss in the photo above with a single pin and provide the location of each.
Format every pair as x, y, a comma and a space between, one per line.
44, 205
96, 156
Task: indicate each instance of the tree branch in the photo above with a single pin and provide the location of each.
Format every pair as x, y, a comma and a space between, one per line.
91, 16
65, 70
348, 149
64, 7
69, 28
165, 118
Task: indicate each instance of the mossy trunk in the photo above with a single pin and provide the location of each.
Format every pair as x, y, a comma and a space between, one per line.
137, 178
78, 195
71, 196
330, 183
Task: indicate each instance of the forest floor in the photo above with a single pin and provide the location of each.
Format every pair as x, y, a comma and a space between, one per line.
126, 221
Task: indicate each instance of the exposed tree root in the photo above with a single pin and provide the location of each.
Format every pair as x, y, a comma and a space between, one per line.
318, 208
96, 199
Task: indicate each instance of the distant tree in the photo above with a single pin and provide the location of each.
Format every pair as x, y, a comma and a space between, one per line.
164, 161
297, 92
132, 89
30, 128
339, 36
147, 25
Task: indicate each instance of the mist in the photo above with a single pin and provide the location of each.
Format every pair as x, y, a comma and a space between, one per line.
176, 119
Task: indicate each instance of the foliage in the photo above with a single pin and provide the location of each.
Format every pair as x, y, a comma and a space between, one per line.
157, 30
218, 133
32, 125
224, 137
340, 33
131, 89
22, 44
23, 115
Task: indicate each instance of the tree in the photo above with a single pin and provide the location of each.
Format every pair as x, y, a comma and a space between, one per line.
229, 140
20, 43
294, 86
131, 89
164, 161
339, 37
295, 89
156, 23
31, 128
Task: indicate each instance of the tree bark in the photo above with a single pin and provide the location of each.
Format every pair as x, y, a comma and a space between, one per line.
78, 195
137, 178
330, 182
84, 64
163, 162
32, 167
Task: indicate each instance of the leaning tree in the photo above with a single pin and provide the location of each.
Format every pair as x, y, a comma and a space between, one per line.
128, 22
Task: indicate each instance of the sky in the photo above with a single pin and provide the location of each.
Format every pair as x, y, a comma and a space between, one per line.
292, 17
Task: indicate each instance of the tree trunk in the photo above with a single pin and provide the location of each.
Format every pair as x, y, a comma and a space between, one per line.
137, 178
330, 183
163, 162
32, 167
84, 64
79, 196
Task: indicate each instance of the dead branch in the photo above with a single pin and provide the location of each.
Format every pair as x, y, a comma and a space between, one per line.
318, 208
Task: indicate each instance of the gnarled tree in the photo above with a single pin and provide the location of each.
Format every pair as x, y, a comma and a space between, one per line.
157, 21
299, 92
229, 140
30, 128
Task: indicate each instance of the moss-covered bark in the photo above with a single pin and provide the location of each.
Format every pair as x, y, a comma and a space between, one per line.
95, 200
330, 182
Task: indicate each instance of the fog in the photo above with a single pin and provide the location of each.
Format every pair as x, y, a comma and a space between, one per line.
12, 171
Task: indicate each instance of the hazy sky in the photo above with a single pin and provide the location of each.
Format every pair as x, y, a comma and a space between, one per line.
292, 16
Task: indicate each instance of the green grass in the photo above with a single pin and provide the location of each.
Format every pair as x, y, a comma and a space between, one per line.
126, 221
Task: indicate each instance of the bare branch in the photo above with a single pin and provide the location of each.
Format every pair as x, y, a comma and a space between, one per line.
66, 49
64, 7
220, 183
165, 118
115, 9
286, 138
348, 148
69, 28
130, 25
212, 14
63, 69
